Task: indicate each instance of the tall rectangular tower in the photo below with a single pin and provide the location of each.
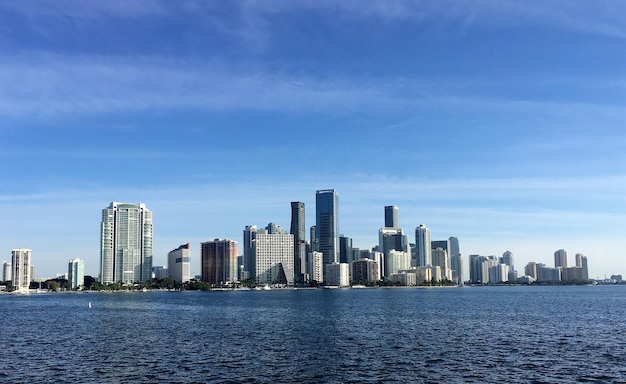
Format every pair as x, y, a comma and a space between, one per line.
249, 264
125, 244
560, 258
219, 261
298, 230
76, 273
326, 226
179, 264
422, 246
274, 258
6, 271
21, 268
456, 260
391, 216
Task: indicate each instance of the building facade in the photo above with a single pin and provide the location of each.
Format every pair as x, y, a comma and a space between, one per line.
179, 264
76, 274
21, 268
337, 274
298, 230
364, 271
456, 261
249, 264
560, 258
326, 225
391, 216
315, 267
422, 246
218, 259
125, 244
396, 261
6, 271
581, 261
274, 258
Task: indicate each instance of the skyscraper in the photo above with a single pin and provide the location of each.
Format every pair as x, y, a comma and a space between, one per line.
21, 269
327, 228
507, 258
249, 265
456, 261
581, 261
345, 249
219, 261
298, 230
179, 264
441, 258
422, 246
6, 271
76, 273
274, 258
391, 216
560, 258
125, 243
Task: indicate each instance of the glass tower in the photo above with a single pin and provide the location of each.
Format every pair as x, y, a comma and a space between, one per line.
391, 216
125, 244
298, 230
422, 246
326, 228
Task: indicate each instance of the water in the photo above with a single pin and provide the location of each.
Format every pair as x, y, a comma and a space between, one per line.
486, 334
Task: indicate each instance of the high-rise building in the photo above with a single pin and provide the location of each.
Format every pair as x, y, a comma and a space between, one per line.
6, 271
479, 268
337, 274
456, 261
396, 261
219, 261
581, 261
21, 269
298, 230
76, 273
441, 258
125, 243
274, 258
531, 270
345, 249
364, 271
507, 258
249, 265
423, 246
315, 267
560, 258
273, 228
391, 216
159, 272
179, 264
326, 226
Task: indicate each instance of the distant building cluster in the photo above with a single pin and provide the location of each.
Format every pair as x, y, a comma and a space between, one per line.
497, 270
274, 256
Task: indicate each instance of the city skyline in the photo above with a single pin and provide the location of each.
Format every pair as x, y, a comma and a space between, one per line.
493, 122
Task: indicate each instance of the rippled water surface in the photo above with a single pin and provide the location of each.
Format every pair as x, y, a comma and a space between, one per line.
486, 334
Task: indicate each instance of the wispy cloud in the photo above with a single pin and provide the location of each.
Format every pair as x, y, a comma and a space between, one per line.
49, 85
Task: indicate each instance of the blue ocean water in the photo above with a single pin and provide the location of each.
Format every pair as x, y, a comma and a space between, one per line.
474, 334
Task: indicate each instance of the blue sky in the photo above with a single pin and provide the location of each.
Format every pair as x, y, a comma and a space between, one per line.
498, 122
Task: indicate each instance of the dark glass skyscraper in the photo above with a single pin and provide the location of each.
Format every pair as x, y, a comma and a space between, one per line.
345, 249
391, 216
249, 261
299, 240
326, 228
